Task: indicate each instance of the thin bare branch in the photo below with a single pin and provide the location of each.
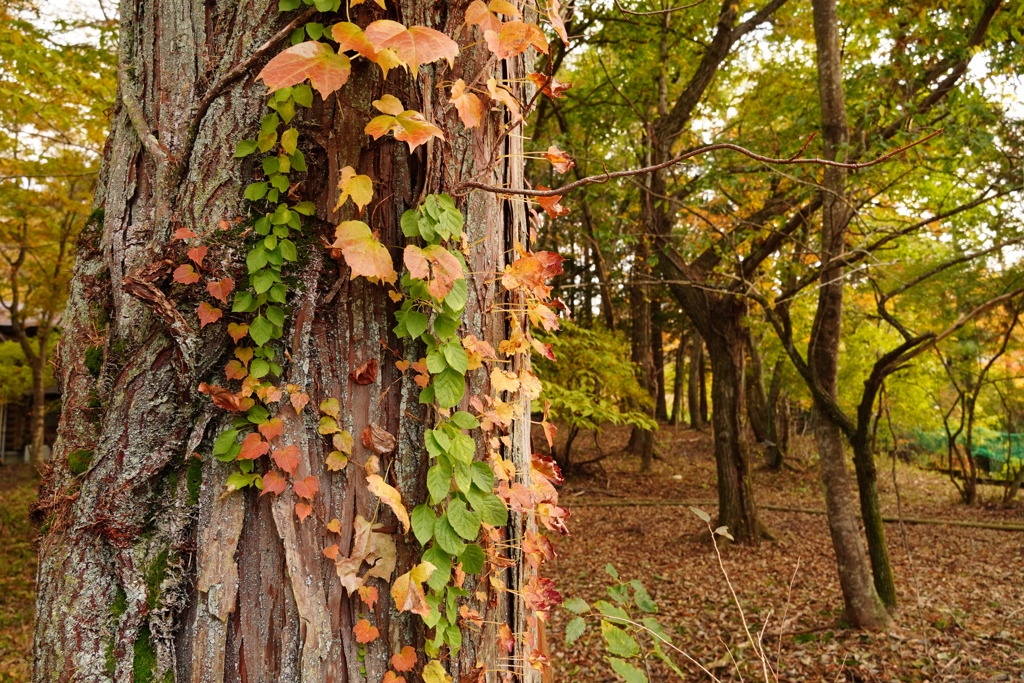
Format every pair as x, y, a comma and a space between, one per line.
670, 10
605, 177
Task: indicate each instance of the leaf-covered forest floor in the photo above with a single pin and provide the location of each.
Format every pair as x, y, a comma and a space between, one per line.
961, 589
17, 571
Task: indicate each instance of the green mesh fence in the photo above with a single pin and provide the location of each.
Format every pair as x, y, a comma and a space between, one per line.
998, 453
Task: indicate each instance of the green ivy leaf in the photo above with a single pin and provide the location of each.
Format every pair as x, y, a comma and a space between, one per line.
464, 420
290, 140
275, 314
449, 387
225, 440
491, 508
259, 368
442, 562
302, 94
245, 148
439, 481
456, 355
255, 191
465, 522
482, 475
261, 330
423, 521
415, 323
472, 559
447, 538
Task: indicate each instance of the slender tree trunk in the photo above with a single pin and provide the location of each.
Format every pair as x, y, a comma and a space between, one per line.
679, 383
148, 570
658, 356
38, 423
863, 606
696, 397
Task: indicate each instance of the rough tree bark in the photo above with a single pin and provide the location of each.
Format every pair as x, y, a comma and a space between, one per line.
147, 572
863, 606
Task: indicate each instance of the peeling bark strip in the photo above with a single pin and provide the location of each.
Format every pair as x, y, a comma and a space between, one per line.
147, 572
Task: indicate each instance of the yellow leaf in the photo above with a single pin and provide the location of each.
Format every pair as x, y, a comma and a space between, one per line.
407, 591
390, 496
358, 187
433, 672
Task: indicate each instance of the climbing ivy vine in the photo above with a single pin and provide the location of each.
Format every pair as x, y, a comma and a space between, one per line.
472, 487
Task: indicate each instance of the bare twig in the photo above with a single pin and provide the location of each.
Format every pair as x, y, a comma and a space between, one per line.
659, 11
605, 177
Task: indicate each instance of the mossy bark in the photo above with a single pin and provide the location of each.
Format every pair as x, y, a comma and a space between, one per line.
148, 572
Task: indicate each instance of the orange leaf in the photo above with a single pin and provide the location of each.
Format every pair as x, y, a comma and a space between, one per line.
326, 70
404, 660
351, 37
303, 510
485, 15
185, 274
469, 106
287, 458
513, 39
531, 270
434, 264
369, 595
551, 204
505, 637
413, 128
235, 370
407, 590
273, 483
390, 496
271, 429
197, 254
253, 446
183, 234
555, 17
378, 440
363, 253
365, 632
237, 331
306, 488
502, 94
552, 87
219, 290
208, 314
332, 551
334, 525
243, 353
392, 677
225, 399
559, 159
365, 373
415, 45
343, 441
299, 400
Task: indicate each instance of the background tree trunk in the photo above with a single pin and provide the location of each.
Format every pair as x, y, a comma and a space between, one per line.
863, 606
147, 570
696, 397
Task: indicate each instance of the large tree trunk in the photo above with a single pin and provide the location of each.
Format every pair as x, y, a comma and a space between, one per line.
863, 606
736, 506
148, 571
641, 441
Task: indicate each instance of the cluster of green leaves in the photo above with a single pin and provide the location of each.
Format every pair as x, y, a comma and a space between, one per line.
593, 383
461, 488
625, 634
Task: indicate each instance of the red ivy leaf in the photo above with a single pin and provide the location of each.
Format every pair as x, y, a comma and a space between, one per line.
186, 274
287, 458
208, 314
559, 159
415, 45
273, 483
325, 69
235, 370
552, 87
303, 510
306, 488
299, 399
228, 400
404, 660
363, 253
197, 254
219, 290
253, 446
365, 631
551, 204
237, 331
271, 429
